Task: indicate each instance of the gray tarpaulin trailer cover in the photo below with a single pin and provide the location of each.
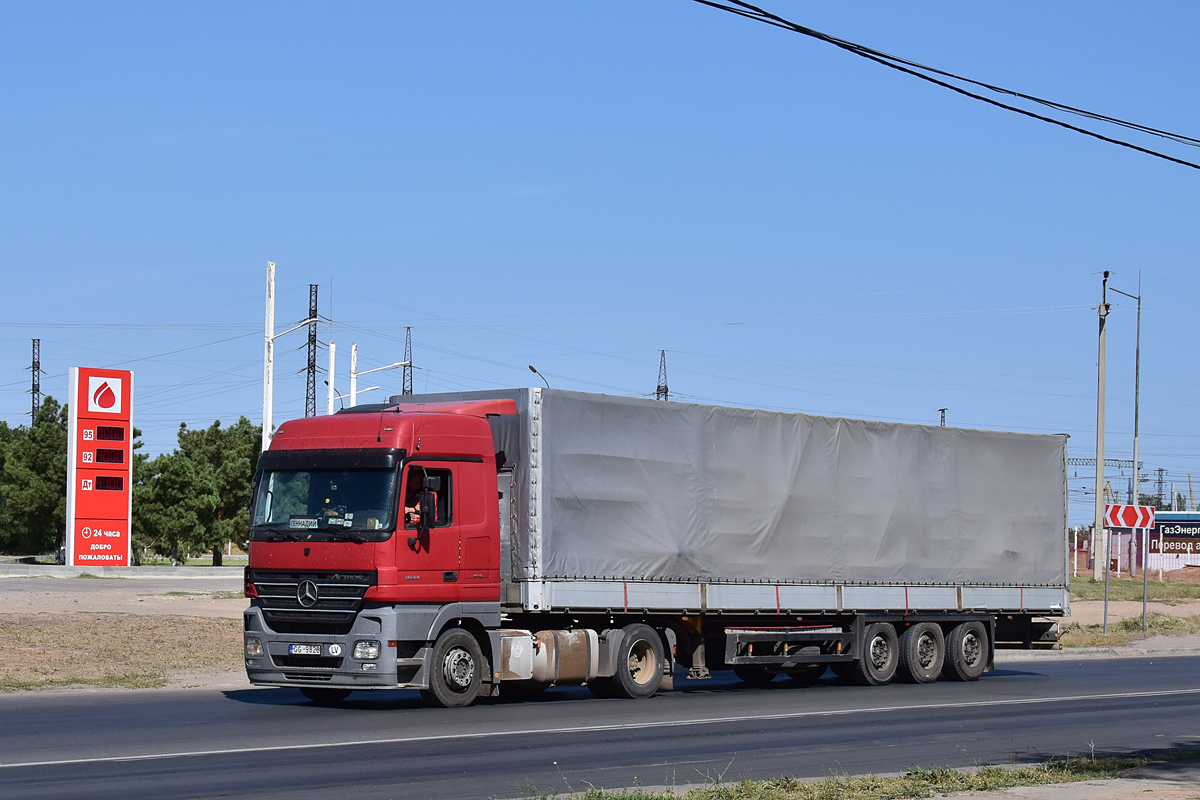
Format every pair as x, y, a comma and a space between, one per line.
642, 490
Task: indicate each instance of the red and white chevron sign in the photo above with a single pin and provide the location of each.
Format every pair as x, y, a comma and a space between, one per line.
1129, 516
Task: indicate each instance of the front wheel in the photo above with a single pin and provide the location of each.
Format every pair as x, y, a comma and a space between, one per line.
456, 670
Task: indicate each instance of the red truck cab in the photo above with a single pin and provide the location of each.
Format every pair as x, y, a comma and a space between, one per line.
364, 523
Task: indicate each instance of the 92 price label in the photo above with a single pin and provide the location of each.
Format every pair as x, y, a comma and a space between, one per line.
87, 456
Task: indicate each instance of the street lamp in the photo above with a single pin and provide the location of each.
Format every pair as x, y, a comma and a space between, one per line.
354, 373
533, 369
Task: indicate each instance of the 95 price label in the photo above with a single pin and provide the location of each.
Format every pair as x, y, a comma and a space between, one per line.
88, 434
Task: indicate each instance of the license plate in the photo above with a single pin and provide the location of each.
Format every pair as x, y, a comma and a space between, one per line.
304, 649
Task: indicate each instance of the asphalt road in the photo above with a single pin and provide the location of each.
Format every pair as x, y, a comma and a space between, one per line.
273, 743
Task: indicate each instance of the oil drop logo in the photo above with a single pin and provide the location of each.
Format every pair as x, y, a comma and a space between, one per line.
104, 395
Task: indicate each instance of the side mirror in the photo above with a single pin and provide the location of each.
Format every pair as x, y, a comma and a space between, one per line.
428, 506
431, 483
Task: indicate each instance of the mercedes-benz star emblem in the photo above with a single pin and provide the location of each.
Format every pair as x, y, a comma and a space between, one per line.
307, 594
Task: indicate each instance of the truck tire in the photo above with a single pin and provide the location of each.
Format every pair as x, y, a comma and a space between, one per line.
966, 652
806, 675
880, 656
922, 653
754, 674
455, 671
326, 697
639, 662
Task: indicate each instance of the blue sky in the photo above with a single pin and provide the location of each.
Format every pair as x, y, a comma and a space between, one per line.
580, 185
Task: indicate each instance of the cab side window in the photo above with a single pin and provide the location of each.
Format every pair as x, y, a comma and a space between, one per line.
442, 496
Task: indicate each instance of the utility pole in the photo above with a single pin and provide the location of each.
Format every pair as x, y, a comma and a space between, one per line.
269, 356
354, 374
1099, 544
406, 386
943, 412
331, 393
662, 392
310, 386
269, 360
36, 389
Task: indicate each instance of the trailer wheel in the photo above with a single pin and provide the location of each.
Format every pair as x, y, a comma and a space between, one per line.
922, 652
754, 674
880, 656
326, 697
806, 675
455, 670
639, 662
966, 652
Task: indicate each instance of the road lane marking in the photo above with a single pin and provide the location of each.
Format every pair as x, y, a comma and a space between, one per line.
627, 726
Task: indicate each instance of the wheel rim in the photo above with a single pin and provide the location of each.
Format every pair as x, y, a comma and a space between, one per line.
881, 652
459, 669
641, 662
926, 651
971, 649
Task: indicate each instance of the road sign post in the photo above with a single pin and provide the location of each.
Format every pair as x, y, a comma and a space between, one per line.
1134, 518
100, 468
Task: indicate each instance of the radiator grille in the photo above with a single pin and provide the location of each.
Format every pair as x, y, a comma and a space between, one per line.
339, 596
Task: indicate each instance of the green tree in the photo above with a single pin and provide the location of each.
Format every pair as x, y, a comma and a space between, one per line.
7, 435
1153, 500
34, 488
198, 497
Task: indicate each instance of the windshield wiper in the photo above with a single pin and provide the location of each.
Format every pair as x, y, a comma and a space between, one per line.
282, 536
343, 536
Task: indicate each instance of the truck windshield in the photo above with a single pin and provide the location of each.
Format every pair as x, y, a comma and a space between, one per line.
337, 503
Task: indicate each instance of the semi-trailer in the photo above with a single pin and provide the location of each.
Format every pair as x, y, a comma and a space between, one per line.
475, 544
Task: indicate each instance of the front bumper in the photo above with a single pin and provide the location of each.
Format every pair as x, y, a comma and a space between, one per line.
398, 667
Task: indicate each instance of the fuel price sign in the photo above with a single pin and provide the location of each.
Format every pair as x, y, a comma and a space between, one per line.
100, 467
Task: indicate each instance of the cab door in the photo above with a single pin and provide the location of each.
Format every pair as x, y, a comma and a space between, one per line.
429, 549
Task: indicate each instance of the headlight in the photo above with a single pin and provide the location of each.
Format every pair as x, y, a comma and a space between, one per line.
366, 651
254, 647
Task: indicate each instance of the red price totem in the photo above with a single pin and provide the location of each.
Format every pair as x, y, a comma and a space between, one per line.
100, 468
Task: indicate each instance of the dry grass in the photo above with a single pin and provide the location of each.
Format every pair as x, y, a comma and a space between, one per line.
1126, 589
916, 783
50, 650
1127, 630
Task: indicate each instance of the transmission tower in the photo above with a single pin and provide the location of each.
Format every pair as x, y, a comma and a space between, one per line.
407, 388
662, 393
310, 388
1160, 484
36, 390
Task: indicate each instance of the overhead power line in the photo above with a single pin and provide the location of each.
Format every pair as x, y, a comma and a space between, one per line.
927, 73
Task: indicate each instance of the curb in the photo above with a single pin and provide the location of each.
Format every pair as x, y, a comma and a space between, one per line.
54, 571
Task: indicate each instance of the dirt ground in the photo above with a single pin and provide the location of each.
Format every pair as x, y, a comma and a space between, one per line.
192, 597
131, 633
1091, 612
